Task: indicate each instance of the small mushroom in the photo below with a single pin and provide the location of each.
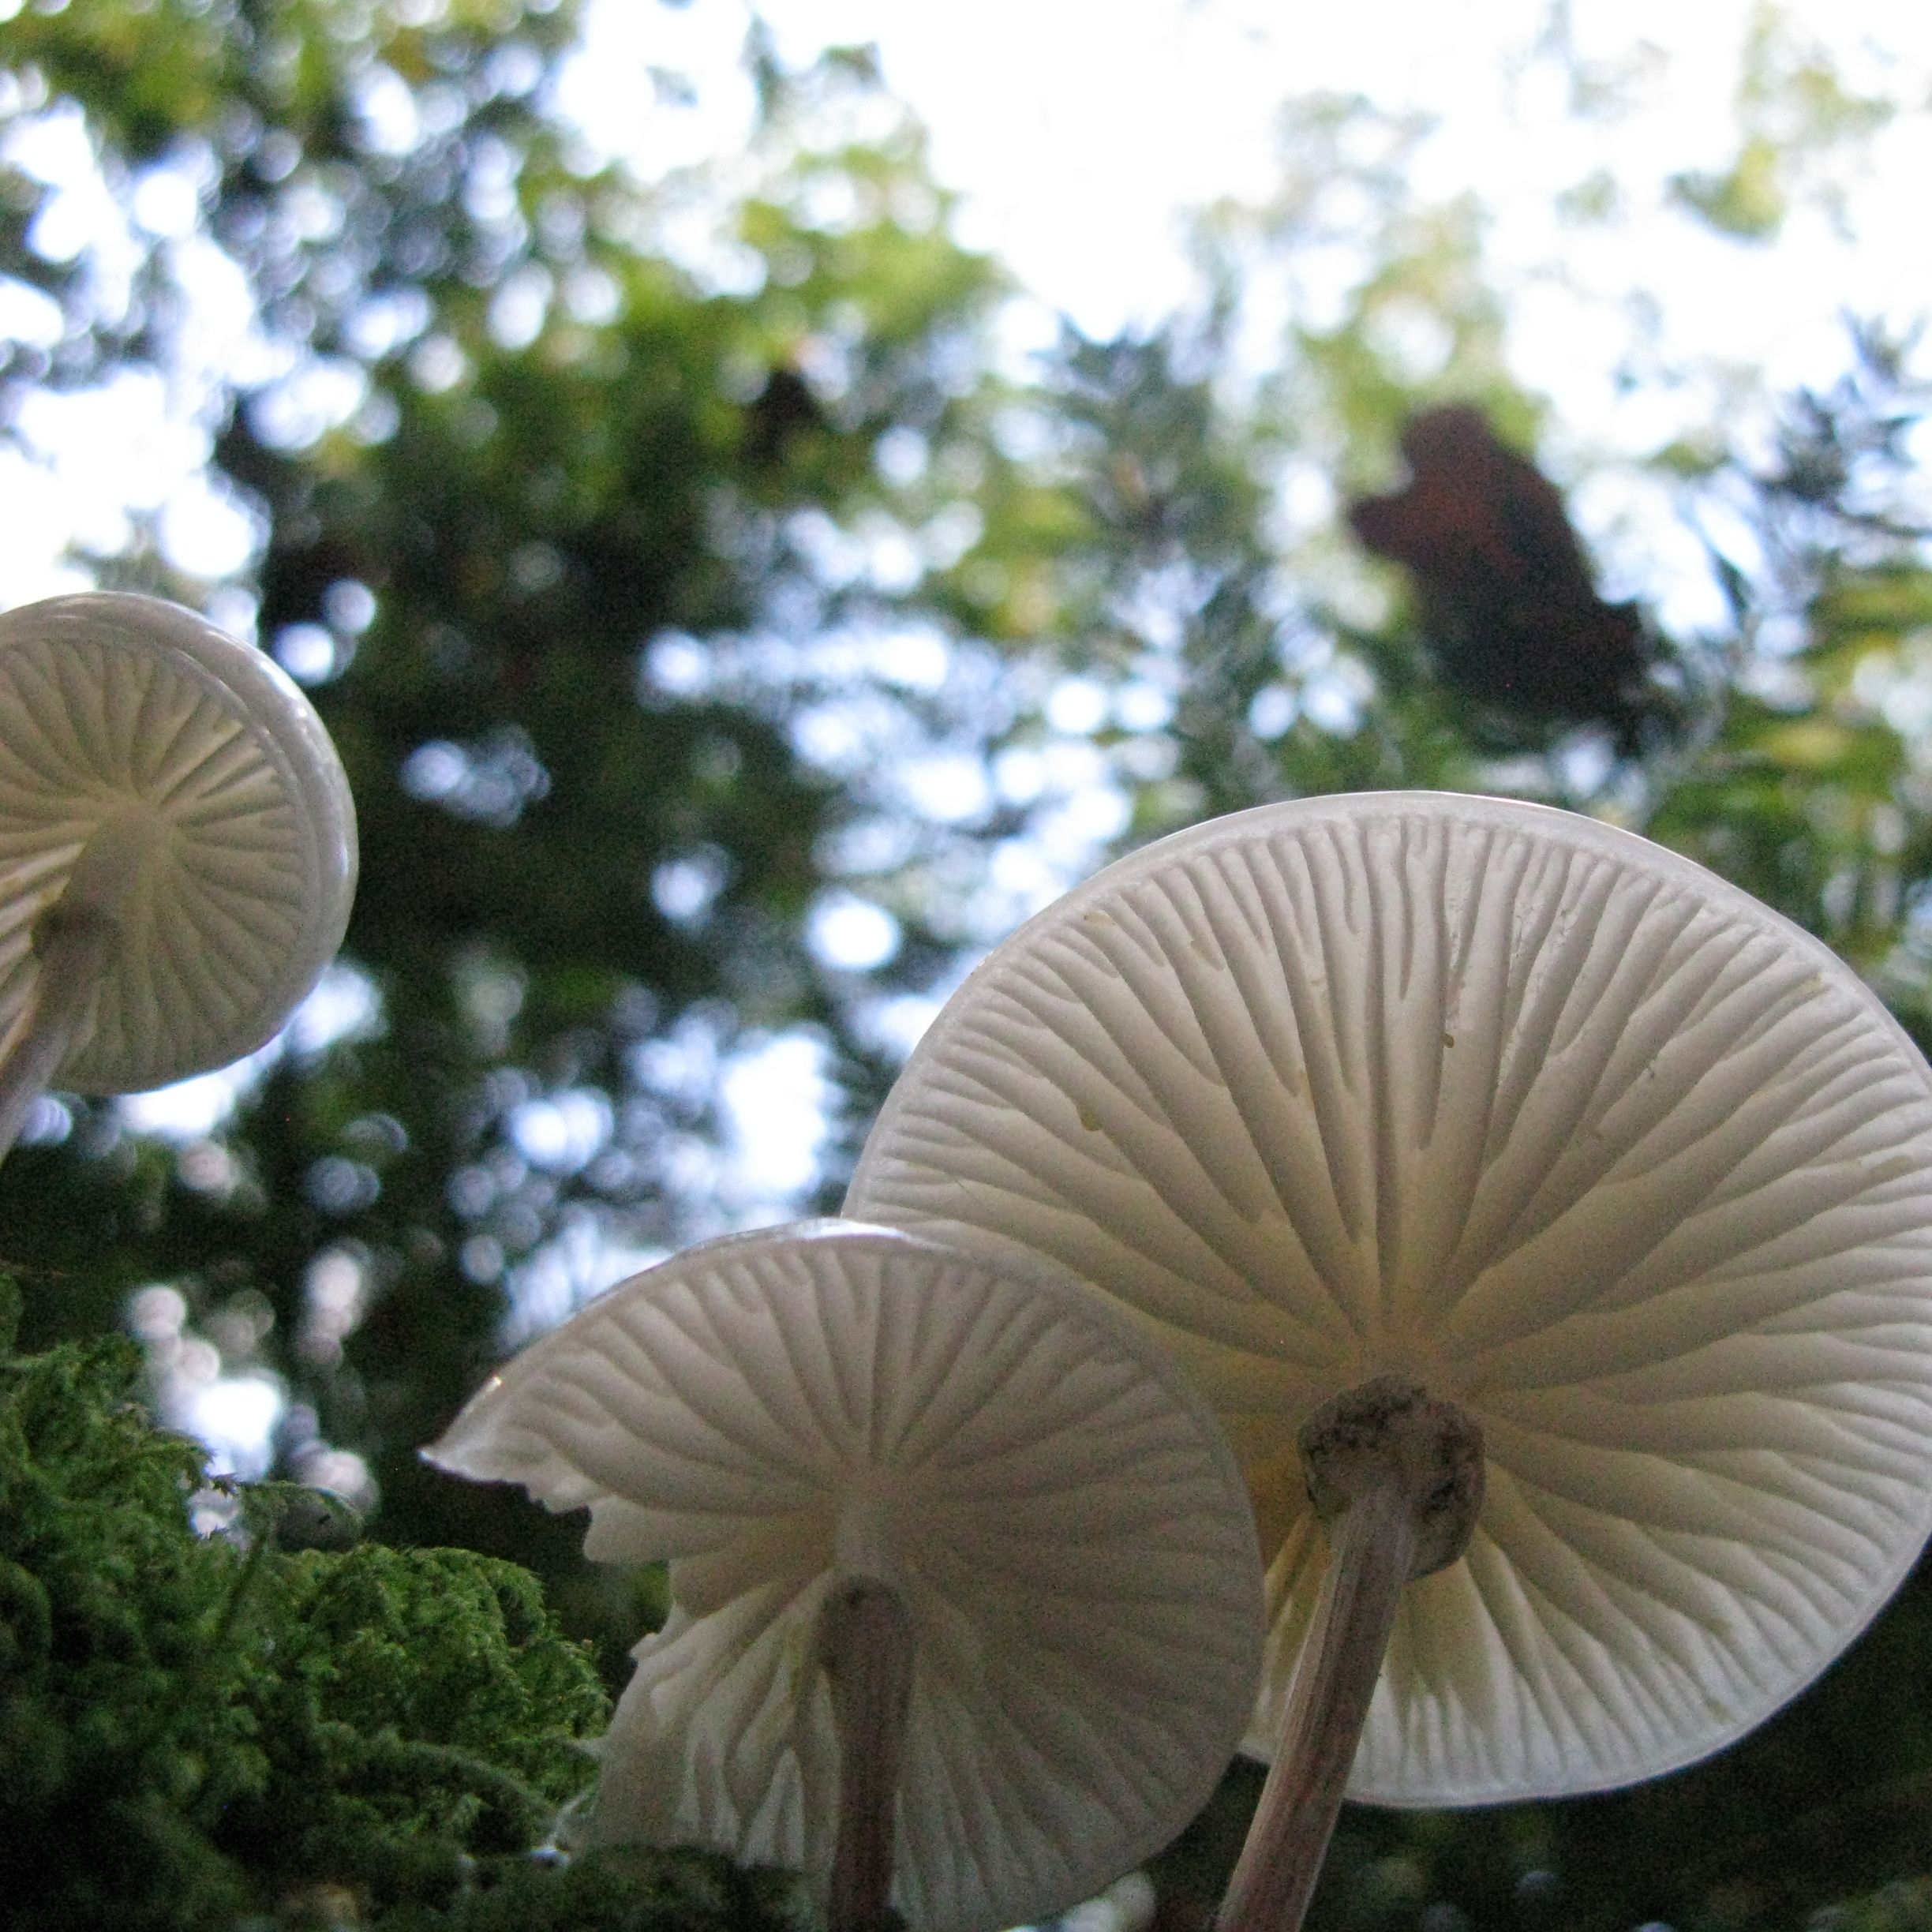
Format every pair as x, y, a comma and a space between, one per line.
966, 1606
177, 848
1557, 1195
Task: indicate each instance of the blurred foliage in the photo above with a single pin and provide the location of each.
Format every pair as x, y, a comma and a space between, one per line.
1810, 789
573, 482
1795, 117
728, 640
217, 1729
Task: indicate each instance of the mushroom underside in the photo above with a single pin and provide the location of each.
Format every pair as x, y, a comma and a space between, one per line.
1546, 1118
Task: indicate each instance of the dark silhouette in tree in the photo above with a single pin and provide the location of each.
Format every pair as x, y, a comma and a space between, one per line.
1511, 616
782, 413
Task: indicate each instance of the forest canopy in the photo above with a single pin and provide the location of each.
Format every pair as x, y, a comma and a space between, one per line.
728, 638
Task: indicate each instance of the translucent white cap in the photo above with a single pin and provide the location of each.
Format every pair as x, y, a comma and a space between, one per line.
150, 760
780, 1411
1553, 1120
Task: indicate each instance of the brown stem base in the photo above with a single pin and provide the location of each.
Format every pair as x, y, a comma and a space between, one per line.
1397, 1476
865, 1643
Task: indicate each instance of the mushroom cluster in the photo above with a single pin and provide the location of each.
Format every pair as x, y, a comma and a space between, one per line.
1545, 1220
1513, 1238
177, 849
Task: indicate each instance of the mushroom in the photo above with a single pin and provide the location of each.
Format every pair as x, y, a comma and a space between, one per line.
942, 1529
178, 847
1557, 1194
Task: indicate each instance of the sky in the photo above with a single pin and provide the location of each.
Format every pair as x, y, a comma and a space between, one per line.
1082, 137
1082, 134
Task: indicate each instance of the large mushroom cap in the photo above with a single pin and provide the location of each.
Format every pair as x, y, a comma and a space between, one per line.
129, 724
1547, 1118
1057, 1509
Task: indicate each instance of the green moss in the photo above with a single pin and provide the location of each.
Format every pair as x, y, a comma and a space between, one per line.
198, 1735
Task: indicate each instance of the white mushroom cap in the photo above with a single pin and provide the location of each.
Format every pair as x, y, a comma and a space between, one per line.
1550, 1120
175, 779
780, 1412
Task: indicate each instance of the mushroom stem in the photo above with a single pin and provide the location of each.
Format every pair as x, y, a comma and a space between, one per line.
1396, 1475
865, 1642
71, 947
